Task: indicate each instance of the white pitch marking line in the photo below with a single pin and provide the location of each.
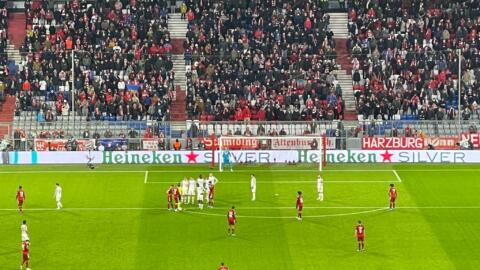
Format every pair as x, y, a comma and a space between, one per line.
146, 177
289, 182
398, 176
239, 208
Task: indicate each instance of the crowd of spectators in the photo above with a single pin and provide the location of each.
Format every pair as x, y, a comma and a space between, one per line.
3, 46
122, 65
405, 58
261, 60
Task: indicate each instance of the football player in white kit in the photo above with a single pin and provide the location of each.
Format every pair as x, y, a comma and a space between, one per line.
58, 196
253, 186
184, 191
191, 191
24, 230
320, 188
200, 192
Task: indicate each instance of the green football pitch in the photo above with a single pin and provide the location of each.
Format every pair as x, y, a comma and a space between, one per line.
115, 217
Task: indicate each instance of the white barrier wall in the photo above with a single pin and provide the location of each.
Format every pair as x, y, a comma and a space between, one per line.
254, 156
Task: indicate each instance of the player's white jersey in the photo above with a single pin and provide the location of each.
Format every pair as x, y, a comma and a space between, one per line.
319, 184
58, 193
200, 192
201, 182
24, 230
212, 180
253, 184
191, 186
184, 186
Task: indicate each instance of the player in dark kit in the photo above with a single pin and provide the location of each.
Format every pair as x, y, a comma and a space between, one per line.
360, 234
299, 205
392, 193
20, 198
25, 254
170, 198
232, 219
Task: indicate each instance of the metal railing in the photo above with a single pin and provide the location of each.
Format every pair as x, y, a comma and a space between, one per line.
129, 135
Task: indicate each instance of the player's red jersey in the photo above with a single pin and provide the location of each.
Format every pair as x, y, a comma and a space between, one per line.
176, 194
360, 232
25, 251
393, 193
20, 195
223, 268
299, 203
170, 194
231, 217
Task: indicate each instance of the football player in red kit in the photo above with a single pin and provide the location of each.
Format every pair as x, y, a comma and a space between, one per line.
223, 267
20, 198
299, 205
392, 193
360, 233
211, 195
232, 219
176, 197
170, 197
26, 255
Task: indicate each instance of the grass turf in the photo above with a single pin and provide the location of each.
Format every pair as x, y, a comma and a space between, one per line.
113, 220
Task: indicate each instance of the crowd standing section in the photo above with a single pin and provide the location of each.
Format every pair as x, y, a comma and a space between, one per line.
405, 57
261, 60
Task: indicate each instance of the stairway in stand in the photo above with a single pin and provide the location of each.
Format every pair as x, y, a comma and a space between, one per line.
7, 109
339, 26
16, 28
178, 31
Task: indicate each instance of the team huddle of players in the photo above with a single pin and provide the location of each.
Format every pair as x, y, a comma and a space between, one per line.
20, 197
189, 189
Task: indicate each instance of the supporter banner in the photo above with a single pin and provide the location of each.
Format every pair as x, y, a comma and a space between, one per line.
246, 156
393, 143
61, 144
299, 143
277, 143
114, 144
150, 144
233, 143
473, 137
442, 143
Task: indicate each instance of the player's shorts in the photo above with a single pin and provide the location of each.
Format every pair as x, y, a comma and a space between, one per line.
58, 199
20, 202
176, 199
360, 237
392, 199
26, 257
254, 190
226, 162
211, 195
199, 197
231, 221
191, 192
320, 191
169, 199
299, 207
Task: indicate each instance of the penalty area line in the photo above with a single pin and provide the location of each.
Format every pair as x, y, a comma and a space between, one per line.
398, 176
292, 182
145, 180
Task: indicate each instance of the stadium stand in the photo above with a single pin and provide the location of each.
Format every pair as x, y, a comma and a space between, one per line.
405, 58
261, 60
123, 66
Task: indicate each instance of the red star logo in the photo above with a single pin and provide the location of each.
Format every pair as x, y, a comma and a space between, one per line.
192, 157
386, 156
